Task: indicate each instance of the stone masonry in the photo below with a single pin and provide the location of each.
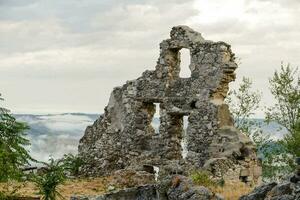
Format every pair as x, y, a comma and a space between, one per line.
123, 137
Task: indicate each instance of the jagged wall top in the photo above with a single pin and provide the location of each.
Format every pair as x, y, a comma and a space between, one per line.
211, 63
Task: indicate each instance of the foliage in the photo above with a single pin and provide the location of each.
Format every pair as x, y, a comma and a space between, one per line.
72, 163
13, 142
291, 141
202, 177
285, 87
276, 162
242, 103
49, 180
277, 156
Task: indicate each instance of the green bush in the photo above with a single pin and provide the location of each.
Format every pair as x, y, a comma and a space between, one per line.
291, 141
202, 177
48, 181
72, 164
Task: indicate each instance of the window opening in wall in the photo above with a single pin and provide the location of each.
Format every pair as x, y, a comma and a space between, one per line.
183, 142
185, 60
155, 123
193, 104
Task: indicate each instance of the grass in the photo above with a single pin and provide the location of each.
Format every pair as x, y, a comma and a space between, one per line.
202, 177
229, 190
69, 188
96, 186
232, 190
93, 186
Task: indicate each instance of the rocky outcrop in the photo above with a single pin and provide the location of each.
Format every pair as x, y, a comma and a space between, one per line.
175, 187
182, 188
147, 192
287, 190
123, 137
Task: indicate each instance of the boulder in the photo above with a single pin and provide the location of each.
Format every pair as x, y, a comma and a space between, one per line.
259, 193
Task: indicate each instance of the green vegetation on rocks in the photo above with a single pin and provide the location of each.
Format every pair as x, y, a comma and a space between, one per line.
48, 181
13, 142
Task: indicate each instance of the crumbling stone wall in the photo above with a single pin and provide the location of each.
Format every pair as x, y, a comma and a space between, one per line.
123, 136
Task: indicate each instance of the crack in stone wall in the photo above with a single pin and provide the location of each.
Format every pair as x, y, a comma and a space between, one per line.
123, 138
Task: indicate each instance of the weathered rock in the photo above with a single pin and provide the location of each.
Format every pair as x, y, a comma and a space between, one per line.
280, 190
296, 177
130, 178
259, 193
182, 188
288, 190
123, 137
283, 197
147, 192
177, 187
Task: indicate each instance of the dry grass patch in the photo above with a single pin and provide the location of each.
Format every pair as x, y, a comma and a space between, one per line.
92, 186
96, 186
84, 187
232, 190
69, 188
229, 190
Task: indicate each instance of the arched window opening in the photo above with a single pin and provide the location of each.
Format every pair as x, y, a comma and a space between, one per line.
183, 142
185, 60
155, 123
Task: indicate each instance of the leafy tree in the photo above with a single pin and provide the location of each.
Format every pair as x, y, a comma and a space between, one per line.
13, 142
49, 180
276, 162
72, 163
2, 110
285, 87
292, 141
243, 102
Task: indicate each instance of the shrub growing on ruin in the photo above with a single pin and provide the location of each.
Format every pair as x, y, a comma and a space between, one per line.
48, 181
203, 178
72, 164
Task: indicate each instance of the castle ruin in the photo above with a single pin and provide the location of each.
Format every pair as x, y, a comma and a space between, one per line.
123, 137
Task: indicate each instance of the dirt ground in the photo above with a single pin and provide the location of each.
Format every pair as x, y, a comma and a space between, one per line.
96, 186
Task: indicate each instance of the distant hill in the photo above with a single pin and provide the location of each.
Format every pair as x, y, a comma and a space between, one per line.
57, 134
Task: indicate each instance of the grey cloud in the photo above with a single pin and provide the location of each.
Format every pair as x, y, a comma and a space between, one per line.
16, 3
88, 47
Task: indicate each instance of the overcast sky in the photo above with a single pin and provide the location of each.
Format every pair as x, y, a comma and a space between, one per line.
67, 55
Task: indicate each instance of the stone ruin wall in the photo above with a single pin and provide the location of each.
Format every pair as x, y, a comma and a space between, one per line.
123, 138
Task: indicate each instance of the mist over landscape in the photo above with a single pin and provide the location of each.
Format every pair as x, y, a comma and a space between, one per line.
57, 134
